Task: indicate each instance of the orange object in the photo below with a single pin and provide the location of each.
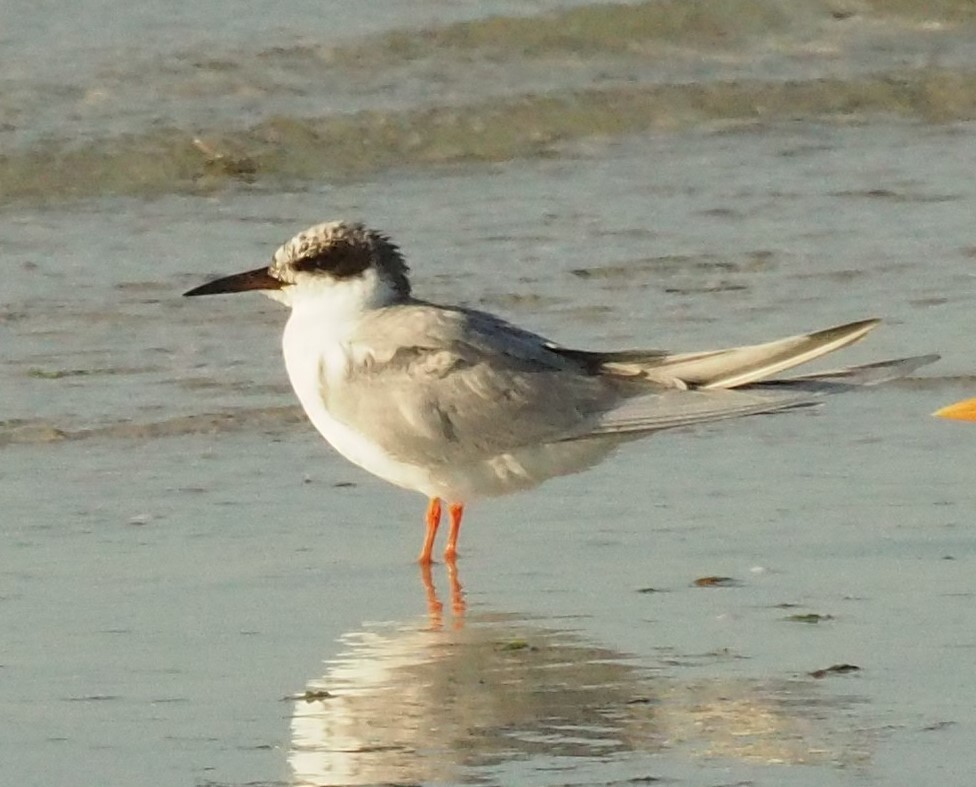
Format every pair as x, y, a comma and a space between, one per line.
433, 522
456, 512
960, 411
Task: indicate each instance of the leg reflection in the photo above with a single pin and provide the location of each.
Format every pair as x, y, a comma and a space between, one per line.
458, 605
435, 608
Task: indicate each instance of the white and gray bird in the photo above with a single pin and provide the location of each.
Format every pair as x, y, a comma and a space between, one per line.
459, 404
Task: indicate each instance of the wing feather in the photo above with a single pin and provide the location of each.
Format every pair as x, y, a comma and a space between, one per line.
453, 385
440, 385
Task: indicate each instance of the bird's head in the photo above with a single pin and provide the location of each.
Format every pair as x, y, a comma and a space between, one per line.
331, 259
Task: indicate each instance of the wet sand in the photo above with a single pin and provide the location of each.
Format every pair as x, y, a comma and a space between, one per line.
171, 578
196, 590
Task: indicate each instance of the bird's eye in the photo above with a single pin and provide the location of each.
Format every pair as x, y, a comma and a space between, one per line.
341, 260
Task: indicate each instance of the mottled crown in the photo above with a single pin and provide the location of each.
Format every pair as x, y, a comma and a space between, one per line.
341, 250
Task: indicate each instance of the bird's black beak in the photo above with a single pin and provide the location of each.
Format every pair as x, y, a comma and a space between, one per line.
258, 279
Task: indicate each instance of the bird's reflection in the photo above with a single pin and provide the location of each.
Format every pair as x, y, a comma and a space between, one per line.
435, 607
429, 702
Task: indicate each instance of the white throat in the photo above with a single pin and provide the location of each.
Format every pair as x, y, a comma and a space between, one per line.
324, 314
318, 356
343, 298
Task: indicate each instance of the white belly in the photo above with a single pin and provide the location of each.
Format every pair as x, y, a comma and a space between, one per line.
306, 367
362, 451
317, 359
499, 475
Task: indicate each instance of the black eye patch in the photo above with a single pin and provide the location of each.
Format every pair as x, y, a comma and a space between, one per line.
340, 259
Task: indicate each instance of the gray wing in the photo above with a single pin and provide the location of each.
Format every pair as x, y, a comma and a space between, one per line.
438, 385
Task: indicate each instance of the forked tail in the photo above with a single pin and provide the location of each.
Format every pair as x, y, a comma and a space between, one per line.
688, 388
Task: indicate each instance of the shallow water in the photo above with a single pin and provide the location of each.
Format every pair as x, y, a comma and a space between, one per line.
192, 106
195, 590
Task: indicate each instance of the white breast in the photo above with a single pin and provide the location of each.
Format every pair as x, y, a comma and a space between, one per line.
316, 356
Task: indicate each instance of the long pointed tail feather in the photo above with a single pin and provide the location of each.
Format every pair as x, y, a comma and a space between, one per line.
738, 366
703, 381
673, 409
838, 380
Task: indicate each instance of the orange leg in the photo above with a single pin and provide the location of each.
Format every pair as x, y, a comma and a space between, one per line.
433, 522
456, 511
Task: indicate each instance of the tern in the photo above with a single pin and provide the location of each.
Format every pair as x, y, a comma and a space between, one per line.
459, 404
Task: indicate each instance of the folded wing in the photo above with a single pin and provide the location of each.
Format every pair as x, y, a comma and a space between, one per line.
461, 384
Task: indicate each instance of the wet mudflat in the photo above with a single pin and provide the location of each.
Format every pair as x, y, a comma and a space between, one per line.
195, 590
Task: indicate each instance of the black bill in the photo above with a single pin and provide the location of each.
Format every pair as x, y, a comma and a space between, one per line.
258, 279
